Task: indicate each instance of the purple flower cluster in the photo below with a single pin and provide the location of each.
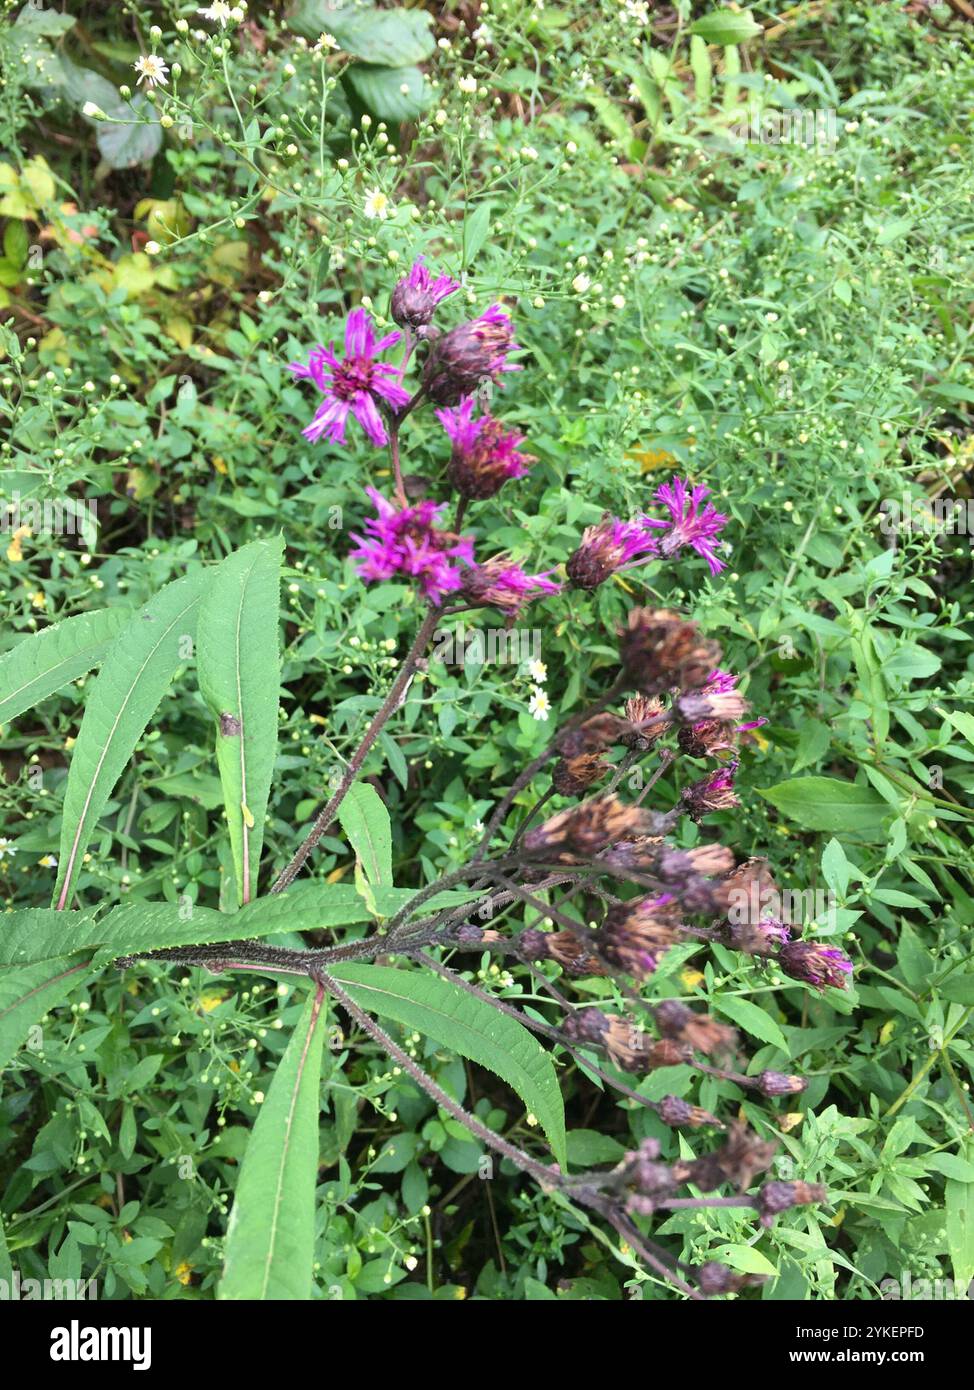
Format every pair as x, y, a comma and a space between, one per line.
501, 584
417, 295
691, 522
406, 541
615, 545
411, 540
459, 365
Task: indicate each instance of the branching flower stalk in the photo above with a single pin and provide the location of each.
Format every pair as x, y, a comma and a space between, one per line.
611, 890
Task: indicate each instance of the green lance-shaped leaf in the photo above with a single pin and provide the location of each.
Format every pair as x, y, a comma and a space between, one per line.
365, 821
828, 803
26, 994
239, 663
44, 663
122, 699
33, 934
6, 1268
271, 1234
960, 1230
470, 1027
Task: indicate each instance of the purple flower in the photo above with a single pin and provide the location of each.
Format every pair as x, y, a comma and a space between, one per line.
690, 523
758, 938
357, 383
404, 540
485, 454
503, 585
816, 965
607, 548
713, 793
416, 296
710, 713
469, 355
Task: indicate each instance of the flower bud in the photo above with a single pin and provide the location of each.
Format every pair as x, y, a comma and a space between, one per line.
416, 296
469, 356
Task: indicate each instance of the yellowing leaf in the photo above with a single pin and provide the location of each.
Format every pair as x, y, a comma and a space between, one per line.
648, 459
228, 261
887, 1030
180, 330
53, 347
134, 274
166, 219
15, 204
14, 550
141, 483
790, 1121
38, 178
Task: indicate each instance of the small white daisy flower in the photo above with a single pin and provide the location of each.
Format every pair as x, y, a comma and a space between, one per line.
328, 41
376, 205
48, 862
218, 13
7, 848
538, 671
152, 70
539, 705
467, 84
581, 284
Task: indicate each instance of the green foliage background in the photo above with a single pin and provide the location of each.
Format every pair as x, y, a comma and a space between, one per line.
789, 324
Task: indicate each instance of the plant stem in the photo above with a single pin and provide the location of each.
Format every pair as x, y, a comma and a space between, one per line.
517, 1156
389, 706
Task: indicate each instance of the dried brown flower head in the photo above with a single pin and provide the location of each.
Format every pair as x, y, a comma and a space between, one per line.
634, 935
660, 649
594, 736
581, 831
652, 721
680, 1114
703, 1033
572, 776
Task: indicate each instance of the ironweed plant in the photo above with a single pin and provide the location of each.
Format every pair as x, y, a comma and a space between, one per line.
613, 892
